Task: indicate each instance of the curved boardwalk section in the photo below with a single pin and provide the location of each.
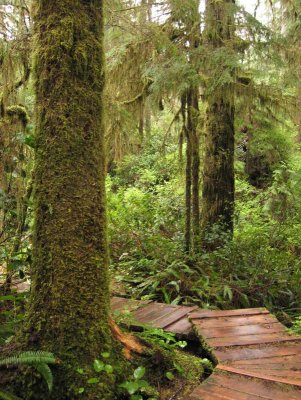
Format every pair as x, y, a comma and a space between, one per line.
256, 357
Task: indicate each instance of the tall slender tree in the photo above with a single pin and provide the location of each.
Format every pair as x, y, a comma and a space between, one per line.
69, 304
218, 173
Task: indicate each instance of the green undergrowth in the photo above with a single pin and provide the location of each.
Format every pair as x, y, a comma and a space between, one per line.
170, 370
260, 267
163, 370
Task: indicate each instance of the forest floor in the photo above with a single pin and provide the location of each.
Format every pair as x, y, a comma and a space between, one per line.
254, 354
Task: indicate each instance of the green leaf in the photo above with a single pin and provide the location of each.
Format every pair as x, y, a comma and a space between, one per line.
105, 354
142, 384
8, 396
170, 376
80, 371
29, 357
98, 365
81, 390
46, 373
136, 397
139, 372
131, 387
93, 380
109, 369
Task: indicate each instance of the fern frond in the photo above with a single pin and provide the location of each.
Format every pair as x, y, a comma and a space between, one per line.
29, 357
46, 373
8, 396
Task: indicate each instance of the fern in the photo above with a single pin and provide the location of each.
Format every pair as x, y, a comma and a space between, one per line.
46, 373
37, 359
29, 357
8, 396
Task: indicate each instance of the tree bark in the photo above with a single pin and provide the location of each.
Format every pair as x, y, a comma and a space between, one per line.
218, 174
69, 304
192, 122
188, 178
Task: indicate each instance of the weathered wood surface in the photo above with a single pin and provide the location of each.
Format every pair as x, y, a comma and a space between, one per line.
257, 357
170, 317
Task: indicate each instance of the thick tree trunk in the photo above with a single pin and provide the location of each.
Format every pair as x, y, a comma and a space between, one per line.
218, 175
69, 304
218, 178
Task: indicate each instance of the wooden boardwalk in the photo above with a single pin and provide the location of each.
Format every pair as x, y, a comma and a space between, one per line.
256, 357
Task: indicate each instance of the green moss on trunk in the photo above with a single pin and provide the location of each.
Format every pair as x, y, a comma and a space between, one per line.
218, 174
218, 178
69, 303
188, 178
192, 128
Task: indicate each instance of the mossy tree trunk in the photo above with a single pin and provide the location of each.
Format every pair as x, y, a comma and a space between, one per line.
188, 176
192, 122
69, 304
190, 106
218, 174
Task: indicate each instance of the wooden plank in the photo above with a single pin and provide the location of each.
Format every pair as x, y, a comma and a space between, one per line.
183, 328
210, 392
180, 312
284, 373
202, 394
238, 371
292, 367
227, 313
239, 330
248, 340
274, 360
232, 354
117, 303
153, 312
237, 321
120, 303
148, 309
254, 386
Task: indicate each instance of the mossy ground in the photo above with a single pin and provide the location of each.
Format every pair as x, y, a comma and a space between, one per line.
170, 372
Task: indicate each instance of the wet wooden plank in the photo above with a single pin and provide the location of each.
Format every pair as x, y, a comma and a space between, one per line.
248, 340
228, 313
294, 366
284, 372
176, 315
263, 360
273, 360
263, 375
120, 304
153, 312
183, 328
210, 392
239, 330
237, 321
232, 354
253, 386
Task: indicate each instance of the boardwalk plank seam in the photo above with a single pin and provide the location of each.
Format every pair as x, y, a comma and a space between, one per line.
240, 355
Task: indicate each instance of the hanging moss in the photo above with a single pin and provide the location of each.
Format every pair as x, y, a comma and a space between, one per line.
69, 304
